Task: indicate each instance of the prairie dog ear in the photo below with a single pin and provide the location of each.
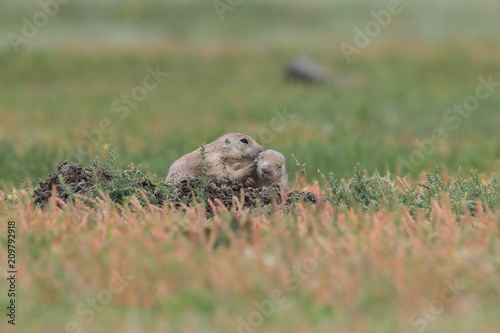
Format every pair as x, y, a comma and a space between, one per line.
226, 141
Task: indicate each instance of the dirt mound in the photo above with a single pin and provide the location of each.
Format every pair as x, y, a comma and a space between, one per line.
226, 190
78, 178
81, 180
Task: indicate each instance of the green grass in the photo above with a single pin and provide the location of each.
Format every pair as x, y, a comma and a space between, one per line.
224, 81
331, 131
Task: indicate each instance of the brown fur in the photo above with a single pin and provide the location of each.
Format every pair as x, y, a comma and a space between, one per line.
221, 155
271, 168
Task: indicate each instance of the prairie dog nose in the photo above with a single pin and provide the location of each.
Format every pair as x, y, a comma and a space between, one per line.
266, 169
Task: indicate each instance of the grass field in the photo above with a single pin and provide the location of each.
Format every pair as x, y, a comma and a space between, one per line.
396, 109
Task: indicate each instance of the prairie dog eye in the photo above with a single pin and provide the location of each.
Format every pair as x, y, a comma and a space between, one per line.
245, 141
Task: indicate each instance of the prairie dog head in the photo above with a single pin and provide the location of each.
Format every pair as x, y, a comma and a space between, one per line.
271, 168
238, 147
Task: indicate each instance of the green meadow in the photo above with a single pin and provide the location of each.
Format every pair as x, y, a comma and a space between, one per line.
227, 76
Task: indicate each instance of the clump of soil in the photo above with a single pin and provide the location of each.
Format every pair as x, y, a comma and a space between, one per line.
226, 190
81, 180
78, 178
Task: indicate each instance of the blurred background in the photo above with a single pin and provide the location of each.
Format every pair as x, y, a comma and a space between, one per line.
155, 79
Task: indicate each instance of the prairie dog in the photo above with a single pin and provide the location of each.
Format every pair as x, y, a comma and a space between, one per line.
220, 155
271, 168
